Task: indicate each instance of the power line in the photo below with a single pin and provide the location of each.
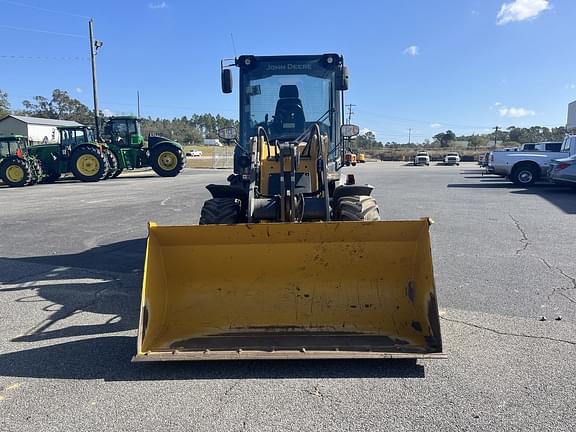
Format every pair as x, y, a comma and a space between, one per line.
21, 57
43, 9
42, 31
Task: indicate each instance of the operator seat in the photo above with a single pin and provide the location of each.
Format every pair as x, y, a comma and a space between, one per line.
289, 116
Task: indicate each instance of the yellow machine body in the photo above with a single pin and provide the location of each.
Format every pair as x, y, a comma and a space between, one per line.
278, 291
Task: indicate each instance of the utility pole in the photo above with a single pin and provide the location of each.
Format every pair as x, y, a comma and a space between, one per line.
138, 100
94, 45
409, 136
495, 135
350, 112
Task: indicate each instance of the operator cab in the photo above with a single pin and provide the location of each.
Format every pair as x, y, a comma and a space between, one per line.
286, 96
124, 131
12, 145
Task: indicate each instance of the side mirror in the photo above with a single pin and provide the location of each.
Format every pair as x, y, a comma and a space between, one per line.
349, 130
227, 133
226, 81
342, 79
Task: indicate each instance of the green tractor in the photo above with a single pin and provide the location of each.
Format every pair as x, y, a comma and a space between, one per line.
18, 167
77, 152
127, 151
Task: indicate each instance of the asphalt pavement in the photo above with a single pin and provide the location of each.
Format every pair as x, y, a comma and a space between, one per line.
71, 258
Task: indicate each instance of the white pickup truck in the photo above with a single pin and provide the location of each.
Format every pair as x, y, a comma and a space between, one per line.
526, 167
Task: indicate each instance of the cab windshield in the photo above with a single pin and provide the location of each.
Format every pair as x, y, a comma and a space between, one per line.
285, 102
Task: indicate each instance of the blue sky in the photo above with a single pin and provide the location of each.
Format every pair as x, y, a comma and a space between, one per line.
428, 65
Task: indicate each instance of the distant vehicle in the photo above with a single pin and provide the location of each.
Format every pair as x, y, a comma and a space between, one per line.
526, 168
194, 153
452, 159
361, 158
563, 171
350, 159
527, 147
553, 146
422, 158
481, 159
549, 146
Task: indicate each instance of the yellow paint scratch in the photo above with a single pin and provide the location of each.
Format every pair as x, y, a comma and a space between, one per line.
14, 386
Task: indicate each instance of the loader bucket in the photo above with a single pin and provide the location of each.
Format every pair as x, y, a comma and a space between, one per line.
278, 291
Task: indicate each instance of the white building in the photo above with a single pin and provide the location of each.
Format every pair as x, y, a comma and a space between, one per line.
38, 130
571, 122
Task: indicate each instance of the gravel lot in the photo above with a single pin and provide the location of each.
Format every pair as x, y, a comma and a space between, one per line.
71, 258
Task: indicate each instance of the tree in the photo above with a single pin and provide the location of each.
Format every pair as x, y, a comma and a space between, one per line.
444, 138
4, 104
60, 107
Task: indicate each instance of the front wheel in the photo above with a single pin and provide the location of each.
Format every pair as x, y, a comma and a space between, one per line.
167, 160
218, 211
16, 172
357, 208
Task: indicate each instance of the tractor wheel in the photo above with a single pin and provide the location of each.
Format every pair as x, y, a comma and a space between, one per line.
112, 165
218, 211
167, 160
118, 172
50, 177
16, 172
357, 208
37, 172
88, 164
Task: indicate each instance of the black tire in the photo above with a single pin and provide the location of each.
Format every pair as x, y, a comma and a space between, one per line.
167, 160
357, 208
524, 175
16, 172
218, 211
37, 172
112, 165
50, 177
88, 164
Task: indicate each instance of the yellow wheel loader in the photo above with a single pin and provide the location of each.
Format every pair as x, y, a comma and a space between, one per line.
267, 272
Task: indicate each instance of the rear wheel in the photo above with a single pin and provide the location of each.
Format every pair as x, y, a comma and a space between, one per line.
88, 164
524, 175
15, 172
220, 211
167, 160
357, 208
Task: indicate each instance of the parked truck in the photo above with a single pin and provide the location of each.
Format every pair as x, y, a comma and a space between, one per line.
527, 167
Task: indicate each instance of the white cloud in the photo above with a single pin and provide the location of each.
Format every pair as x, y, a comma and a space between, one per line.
521, 10
107, 112
364, 131
570, 86
78, 90
412, 50
162, 5
435, 125
516, 112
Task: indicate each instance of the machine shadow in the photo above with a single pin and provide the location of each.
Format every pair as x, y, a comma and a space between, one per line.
108, 358
105, 280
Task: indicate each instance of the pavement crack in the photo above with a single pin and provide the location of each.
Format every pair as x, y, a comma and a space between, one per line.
561, 290
503, 333
524, 240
